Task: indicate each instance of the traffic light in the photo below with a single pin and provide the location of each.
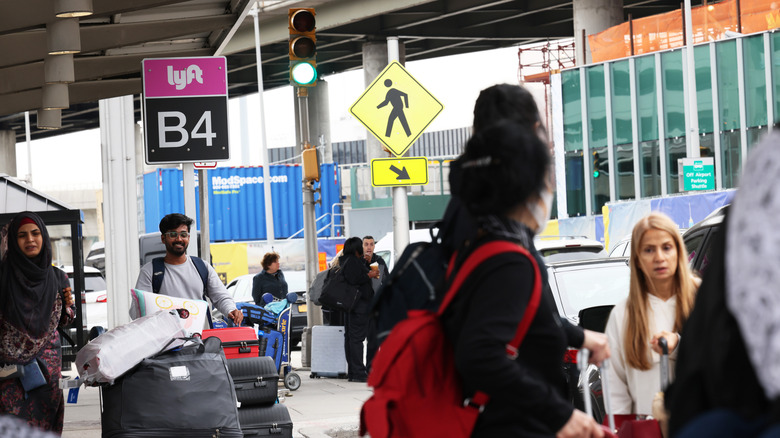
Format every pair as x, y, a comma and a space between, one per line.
596, 165
311, 163
302, 47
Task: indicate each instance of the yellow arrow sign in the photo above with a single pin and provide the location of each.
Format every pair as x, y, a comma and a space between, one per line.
391, 172
396, 108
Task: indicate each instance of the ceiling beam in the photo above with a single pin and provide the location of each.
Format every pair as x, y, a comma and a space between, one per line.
80, 92
329, 15
24, 47
40, 12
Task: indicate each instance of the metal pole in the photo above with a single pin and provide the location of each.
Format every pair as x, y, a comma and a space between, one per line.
188, 176
269, 216
28, 177
203, 193
313, 313
693, 108
400, 203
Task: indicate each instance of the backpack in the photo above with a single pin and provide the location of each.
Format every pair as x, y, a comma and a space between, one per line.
412, 285
158, 273
417, 391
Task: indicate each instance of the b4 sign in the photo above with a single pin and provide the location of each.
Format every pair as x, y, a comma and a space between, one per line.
185, 110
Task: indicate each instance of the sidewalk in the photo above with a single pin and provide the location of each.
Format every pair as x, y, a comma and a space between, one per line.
320, 408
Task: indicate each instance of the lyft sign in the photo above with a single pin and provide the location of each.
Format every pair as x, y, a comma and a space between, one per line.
185, 104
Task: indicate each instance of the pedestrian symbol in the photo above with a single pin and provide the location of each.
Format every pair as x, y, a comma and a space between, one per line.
396, 108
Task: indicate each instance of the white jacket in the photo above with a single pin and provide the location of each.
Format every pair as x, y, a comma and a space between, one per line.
631, 391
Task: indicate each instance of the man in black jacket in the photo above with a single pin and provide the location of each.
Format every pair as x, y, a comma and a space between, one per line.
377, 283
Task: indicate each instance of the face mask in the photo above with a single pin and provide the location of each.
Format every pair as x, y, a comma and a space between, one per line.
541, 210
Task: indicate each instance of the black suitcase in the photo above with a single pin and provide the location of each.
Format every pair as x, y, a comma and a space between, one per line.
256, 380
164, 396
271, 421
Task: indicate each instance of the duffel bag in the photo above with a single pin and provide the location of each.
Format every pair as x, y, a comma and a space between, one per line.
107, 357
179, 393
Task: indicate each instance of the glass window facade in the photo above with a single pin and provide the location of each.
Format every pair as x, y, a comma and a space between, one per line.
701, 56
597, 137
718, 111
774, 38
572, 142
673, 94
755, 80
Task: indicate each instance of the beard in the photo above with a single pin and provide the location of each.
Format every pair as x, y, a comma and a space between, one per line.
176, 249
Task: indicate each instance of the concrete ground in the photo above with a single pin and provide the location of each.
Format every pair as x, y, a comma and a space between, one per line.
320, 408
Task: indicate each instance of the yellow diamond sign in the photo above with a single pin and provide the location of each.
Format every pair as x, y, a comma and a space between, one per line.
396, 108
394, 172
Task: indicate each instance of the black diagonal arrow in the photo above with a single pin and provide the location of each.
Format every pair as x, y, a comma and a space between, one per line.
402, 174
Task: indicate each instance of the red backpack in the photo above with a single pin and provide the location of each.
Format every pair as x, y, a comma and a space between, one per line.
417, 391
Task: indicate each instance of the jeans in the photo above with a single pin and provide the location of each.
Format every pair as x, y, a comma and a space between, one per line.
724, 423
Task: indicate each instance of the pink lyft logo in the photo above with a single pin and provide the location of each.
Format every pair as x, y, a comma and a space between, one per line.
181, 77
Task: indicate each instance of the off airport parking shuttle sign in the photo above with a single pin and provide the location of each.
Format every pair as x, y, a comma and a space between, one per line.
396, 108
185, 110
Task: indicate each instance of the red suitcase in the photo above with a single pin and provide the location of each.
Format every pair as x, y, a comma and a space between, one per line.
236, 341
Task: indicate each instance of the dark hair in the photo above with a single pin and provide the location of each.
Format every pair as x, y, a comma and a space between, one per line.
502, 102
173, 221
352, 245
368, 237
502, 167
269, 258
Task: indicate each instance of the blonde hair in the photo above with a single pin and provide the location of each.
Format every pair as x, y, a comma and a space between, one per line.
335, 262
637, 336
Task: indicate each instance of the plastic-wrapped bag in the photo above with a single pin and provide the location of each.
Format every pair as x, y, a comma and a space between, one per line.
146, 303
115, 352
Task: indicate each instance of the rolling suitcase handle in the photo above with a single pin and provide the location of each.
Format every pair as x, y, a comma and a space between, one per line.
664, 363
582, 364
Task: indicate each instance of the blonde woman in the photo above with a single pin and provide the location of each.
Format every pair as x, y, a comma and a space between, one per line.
660, 298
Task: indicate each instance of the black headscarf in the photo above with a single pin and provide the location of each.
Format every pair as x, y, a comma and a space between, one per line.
28, 286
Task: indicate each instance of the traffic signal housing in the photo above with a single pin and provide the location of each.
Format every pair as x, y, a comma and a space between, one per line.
596, 165
302, 47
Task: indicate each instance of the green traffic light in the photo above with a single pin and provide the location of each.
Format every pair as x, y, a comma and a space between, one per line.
303, 73
596, 174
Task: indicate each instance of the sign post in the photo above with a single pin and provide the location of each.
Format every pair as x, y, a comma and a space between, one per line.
397, 109
185, 103
696, 173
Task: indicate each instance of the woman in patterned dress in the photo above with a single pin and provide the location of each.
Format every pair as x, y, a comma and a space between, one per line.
35, 299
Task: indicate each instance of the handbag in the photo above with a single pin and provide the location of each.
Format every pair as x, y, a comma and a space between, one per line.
337, 294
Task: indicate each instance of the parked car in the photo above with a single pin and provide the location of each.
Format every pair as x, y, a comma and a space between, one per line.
94, 297
578, 287
96, 257
562, 248
700, 237
385, 246
240, 288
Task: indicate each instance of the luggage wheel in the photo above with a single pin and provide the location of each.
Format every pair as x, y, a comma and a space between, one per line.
292, 381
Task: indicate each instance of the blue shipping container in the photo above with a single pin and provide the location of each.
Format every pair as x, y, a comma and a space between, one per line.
237, 200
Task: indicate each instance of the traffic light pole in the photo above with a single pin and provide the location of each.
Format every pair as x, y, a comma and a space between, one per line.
313, 313
400, 202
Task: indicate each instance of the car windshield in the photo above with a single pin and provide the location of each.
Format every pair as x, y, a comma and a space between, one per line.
594, 285
92, 283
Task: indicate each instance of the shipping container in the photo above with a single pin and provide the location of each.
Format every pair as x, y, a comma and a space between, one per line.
237, 200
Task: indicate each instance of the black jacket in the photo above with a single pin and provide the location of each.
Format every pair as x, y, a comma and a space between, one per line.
356, 273
527, 395
274, 284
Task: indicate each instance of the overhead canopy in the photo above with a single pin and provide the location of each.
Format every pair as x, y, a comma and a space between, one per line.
121, 33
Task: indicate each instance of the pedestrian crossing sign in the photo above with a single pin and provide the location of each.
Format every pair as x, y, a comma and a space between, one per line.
396, 108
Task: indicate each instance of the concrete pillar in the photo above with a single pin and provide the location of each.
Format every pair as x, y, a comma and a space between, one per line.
118, 147
593, 16
8, 152
374, 61
319, 120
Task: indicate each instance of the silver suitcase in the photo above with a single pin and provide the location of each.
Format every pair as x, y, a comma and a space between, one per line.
327, 352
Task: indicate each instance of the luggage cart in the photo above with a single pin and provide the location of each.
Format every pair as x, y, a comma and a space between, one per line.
292, 380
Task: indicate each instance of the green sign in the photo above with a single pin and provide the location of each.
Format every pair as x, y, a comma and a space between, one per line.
697, 173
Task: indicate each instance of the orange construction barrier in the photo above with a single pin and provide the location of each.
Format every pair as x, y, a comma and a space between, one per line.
666, 31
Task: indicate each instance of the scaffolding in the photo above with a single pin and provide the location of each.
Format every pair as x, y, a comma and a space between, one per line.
537, 62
